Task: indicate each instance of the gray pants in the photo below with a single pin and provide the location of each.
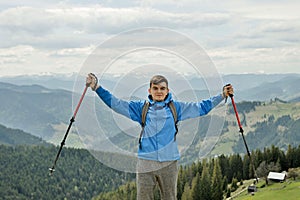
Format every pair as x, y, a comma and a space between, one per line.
151, 173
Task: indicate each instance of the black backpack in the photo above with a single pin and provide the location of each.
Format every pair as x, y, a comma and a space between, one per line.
144, 114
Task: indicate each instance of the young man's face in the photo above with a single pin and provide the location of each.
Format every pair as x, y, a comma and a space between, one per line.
158, 91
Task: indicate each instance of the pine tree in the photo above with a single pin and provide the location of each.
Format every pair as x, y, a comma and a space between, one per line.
216, 186
205, 186
234, 185
290, 156
224, 183
283, 161
257, 158
297, 156
246, 168
236, 165
224, 164
196, 187
187, 193
180, 183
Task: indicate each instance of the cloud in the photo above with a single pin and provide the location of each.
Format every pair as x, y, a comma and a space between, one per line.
24, 59
39, 24
15, 54
72, 52
235, 33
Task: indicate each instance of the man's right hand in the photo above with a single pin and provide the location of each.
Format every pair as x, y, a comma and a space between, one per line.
92, 81
227, 91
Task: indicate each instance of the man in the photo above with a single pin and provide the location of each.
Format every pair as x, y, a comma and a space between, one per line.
158, 151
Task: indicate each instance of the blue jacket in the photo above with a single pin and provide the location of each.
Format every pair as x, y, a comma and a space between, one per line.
158, 137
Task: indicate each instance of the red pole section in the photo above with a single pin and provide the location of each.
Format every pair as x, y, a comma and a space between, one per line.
80, 101
236, 113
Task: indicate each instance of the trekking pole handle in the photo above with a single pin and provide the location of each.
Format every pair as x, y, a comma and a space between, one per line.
229, 94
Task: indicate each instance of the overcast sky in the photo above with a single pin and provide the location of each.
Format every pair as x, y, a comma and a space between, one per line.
245, 36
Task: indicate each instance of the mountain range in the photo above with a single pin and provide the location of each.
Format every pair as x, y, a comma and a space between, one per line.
42, 106
248, 87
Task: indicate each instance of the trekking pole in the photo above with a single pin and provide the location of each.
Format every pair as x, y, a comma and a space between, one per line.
242, 133
52, 169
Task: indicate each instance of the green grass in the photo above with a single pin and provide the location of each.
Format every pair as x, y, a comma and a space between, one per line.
73, 139
276, 109
276, 191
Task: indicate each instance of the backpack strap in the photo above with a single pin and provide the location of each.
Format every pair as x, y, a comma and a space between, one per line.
144, 114
175, 117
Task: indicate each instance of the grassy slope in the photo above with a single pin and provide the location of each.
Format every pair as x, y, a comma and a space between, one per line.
73, 139
261, 113
276, 191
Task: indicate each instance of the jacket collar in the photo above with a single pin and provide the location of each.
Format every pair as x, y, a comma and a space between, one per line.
166, 101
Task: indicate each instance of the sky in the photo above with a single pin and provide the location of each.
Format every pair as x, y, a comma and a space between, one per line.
245, 36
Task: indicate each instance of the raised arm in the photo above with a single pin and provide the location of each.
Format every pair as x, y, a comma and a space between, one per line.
188, 110
130, 109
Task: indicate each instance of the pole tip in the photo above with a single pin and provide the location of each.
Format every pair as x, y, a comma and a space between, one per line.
51, 171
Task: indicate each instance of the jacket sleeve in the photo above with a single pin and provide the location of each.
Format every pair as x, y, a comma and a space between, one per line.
188, 110
130, 109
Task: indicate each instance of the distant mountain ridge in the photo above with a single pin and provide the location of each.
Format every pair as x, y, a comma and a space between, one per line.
34, 108
248, 87
286, 89
14, 137
34, 88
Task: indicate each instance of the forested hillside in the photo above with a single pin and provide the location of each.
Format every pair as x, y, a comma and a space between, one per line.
282, 132
275, 122
9, 136
24, 170
34, 109
24, 174
217, 178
